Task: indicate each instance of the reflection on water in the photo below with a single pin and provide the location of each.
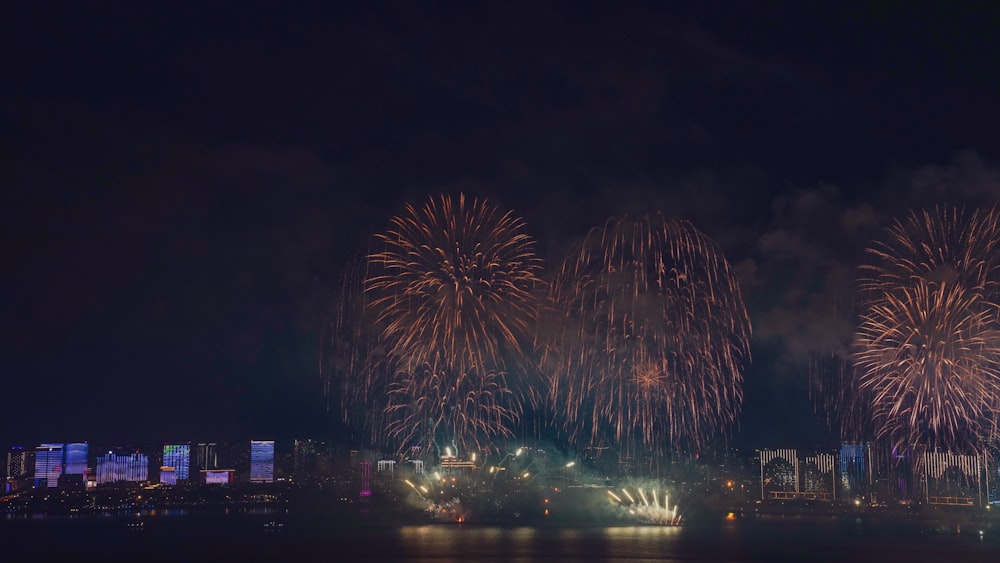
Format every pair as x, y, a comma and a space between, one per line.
245, 535
465, 543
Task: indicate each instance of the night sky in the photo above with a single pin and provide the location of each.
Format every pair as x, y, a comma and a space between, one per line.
183, 182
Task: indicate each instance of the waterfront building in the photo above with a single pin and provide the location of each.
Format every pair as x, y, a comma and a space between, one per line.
48, 465
75, 459
168, 475
113, 468
779, 473
17, 463
177, 456
207, 456
262, 461
953, 479
217, 476
855, 471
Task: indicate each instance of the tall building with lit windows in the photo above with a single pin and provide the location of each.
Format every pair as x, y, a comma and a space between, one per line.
178, 456
855, 471
75, 459
48, 465
112, 468
262, 461
17, 462
206, 456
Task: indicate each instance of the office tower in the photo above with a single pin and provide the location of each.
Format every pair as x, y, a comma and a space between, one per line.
113, 467
48, 465
16, 462
953, 479
819, 476
303, 458
178, 456
262, 461
75, 457
855, 470
207, 456
779, 473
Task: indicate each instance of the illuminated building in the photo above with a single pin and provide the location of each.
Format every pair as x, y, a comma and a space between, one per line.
992, 470
779, 473
207, 456
177, 456
75, 459
112, 468
168, 475
217, 476
303, 457
855, 470
17, 468
952, 479
48, 465
366, 478
262, 461
819, 477
17, 462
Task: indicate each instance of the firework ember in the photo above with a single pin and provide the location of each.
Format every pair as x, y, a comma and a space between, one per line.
647, 338
927, 350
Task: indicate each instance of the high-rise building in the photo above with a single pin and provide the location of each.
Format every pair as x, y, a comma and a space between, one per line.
113, 467
303, 457
178, 456
48, 465
779, 473
17, 462
262, 461
855, 470
75, 459
206, 456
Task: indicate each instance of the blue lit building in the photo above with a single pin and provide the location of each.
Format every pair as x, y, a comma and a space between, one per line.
112, 468
262, 461
75, 459
48, 465
178, 456
855, 470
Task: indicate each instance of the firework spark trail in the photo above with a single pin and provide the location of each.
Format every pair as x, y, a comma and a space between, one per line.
927, 350
452, 290
649, 336
353, 370
645, 511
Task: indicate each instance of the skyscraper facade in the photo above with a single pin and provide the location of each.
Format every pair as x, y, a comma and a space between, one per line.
132, 467
262, 461
855, 470
178, 456
48, 464
17, 462
207, 456
75, 458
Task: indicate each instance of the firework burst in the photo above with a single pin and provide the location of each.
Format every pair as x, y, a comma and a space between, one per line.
927, 349
452, 292
648, 336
